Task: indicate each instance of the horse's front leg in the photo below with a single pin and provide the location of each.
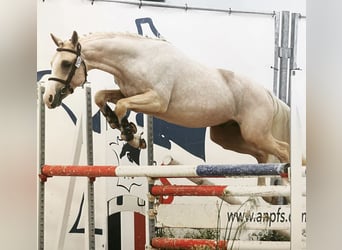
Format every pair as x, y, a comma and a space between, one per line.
128, 129
101, 99
148, 103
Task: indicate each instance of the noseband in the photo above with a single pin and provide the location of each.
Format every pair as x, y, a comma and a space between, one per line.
77, 63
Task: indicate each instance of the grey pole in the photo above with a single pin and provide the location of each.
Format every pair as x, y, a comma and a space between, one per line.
293, 59
276, 53
41, 162
90, 161
284, 54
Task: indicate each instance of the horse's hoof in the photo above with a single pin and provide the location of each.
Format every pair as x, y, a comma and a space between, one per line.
127, 137
133, 127
111, 122
142, 143
112, 125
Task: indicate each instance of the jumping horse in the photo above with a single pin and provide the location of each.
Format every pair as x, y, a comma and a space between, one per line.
157, 79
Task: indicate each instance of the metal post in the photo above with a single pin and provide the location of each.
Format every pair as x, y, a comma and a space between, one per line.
41, 162
294, 37
276, 53
284, 54
150, 156
149, 207
293, 59
149, 216
90, 161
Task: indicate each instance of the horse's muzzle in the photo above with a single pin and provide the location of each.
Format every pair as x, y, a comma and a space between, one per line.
55, 101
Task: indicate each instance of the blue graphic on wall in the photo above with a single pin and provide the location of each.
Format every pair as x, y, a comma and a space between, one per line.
140, 21
81, 230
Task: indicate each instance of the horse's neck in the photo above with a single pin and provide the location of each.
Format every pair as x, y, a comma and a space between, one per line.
107, 53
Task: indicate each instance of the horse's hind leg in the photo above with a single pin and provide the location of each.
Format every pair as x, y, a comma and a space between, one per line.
256, 129
275, 147
228, 135
259, 135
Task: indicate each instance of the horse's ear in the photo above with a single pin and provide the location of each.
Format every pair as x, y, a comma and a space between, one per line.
57, 41
74, 38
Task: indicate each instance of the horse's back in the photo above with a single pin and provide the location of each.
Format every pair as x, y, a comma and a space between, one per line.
196, 95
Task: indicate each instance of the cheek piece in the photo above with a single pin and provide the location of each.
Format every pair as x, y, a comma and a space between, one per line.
77, 63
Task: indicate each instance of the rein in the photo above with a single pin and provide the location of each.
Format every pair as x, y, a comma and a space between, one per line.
77, 63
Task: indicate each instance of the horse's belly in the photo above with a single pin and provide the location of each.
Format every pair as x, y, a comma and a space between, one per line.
196, 117
201, 107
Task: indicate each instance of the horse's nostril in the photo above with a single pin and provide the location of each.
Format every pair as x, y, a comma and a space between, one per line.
50, 98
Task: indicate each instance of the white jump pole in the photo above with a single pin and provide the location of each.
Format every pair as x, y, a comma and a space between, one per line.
175, 171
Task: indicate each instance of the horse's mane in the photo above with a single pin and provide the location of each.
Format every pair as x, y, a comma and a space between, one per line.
102, 35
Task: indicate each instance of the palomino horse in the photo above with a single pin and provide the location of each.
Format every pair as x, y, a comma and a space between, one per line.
157, 79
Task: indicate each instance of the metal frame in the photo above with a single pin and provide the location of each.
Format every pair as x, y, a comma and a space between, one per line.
293, 45
41, 162
186, 7
43, 178
90, 162
284, 54
276, 53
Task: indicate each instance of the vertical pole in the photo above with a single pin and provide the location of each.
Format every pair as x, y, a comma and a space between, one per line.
293, 45
149, 216
90, 161
294, 37
149, 207
296, 150
284, 54
41, 162
150, 156
276, 53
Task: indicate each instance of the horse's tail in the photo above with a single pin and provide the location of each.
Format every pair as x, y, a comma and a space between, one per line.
281, 123
281, 120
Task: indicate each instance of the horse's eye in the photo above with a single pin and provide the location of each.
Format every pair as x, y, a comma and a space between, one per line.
66, 64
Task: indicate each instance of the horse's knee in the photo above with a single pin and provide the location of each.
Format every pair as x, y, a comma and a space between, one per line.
120, 109
269, 146
99, 98
282, 150
284, 154
261, 157
279, 149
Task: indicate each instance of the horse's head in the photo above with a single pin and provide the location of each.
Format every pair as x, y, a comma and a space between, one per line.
68, 71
